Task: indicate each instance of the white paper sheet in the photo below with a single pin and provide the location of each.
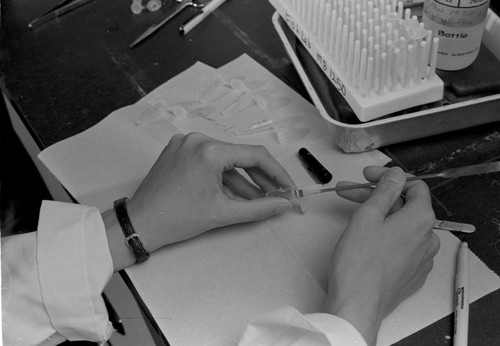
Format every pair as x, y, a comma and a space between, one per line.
205, 290
109, 160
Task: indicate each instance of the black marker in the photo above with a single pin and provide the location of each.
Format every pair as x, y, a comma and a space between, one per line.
314, 166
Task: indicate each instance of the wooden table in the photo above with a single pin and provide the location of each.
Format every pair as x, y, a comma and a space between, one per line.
68, 74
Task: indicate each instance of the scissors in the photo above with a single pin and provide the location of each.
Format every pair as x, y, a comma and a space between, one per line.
155, 27
60, 9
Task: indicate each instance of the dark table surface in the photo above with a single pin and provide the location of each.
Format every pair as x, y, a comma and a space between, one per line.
68, 74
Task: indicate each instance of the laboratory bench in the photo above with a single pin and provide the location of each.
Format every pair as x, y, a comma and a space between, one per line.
68, 74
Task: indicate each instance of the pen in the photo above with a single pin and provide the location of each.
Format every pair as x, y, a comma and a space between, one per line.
198, 18
461, 324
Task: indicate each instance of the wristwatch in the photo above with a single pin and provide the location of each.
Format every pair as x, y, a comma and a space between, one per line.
132, 239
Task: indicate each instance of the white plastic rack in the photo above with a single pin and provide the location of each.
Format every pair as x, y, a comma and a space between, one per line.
378, 56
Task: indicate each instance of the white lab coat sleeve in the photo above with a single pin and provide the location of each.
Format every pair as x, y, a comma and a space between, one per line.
51, 290
287, 326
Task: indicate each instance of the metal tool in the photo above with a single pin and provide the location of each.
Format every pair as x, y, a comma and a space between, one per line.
60, 9
155, 27
454, 226
293, 192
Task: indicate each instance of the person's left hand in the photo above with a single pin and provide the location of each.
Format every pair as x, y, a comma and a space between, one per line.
196, 185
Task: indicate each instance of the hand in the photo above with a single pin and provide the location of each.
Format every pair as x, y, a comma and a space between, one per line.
385, 253
195, 186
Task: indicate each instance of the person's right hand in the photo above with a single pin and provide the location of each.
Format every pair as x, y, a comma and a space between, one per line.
385, 253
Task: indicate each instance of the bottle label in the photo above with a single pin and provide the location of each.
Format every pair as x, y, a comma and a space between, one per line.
459, 24
456, 13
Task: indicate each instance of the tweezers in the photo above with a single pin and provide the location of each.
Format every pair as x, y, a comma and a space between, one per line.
175, 12
60, 9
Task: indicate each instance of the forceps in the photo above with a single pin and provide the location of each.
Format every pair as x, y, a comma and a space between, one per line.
155, 27
60, 9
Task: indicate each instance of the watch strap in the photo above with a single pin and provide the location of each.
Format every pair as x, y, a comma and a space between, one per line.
132, 239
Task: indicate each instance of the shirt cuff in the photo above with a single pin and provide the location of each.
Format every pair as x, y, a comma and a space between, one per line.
337, 330
72, 243
287, 326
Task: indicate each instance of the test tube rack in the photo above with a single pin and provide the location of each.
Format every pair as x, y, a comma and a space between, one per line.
375, 53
